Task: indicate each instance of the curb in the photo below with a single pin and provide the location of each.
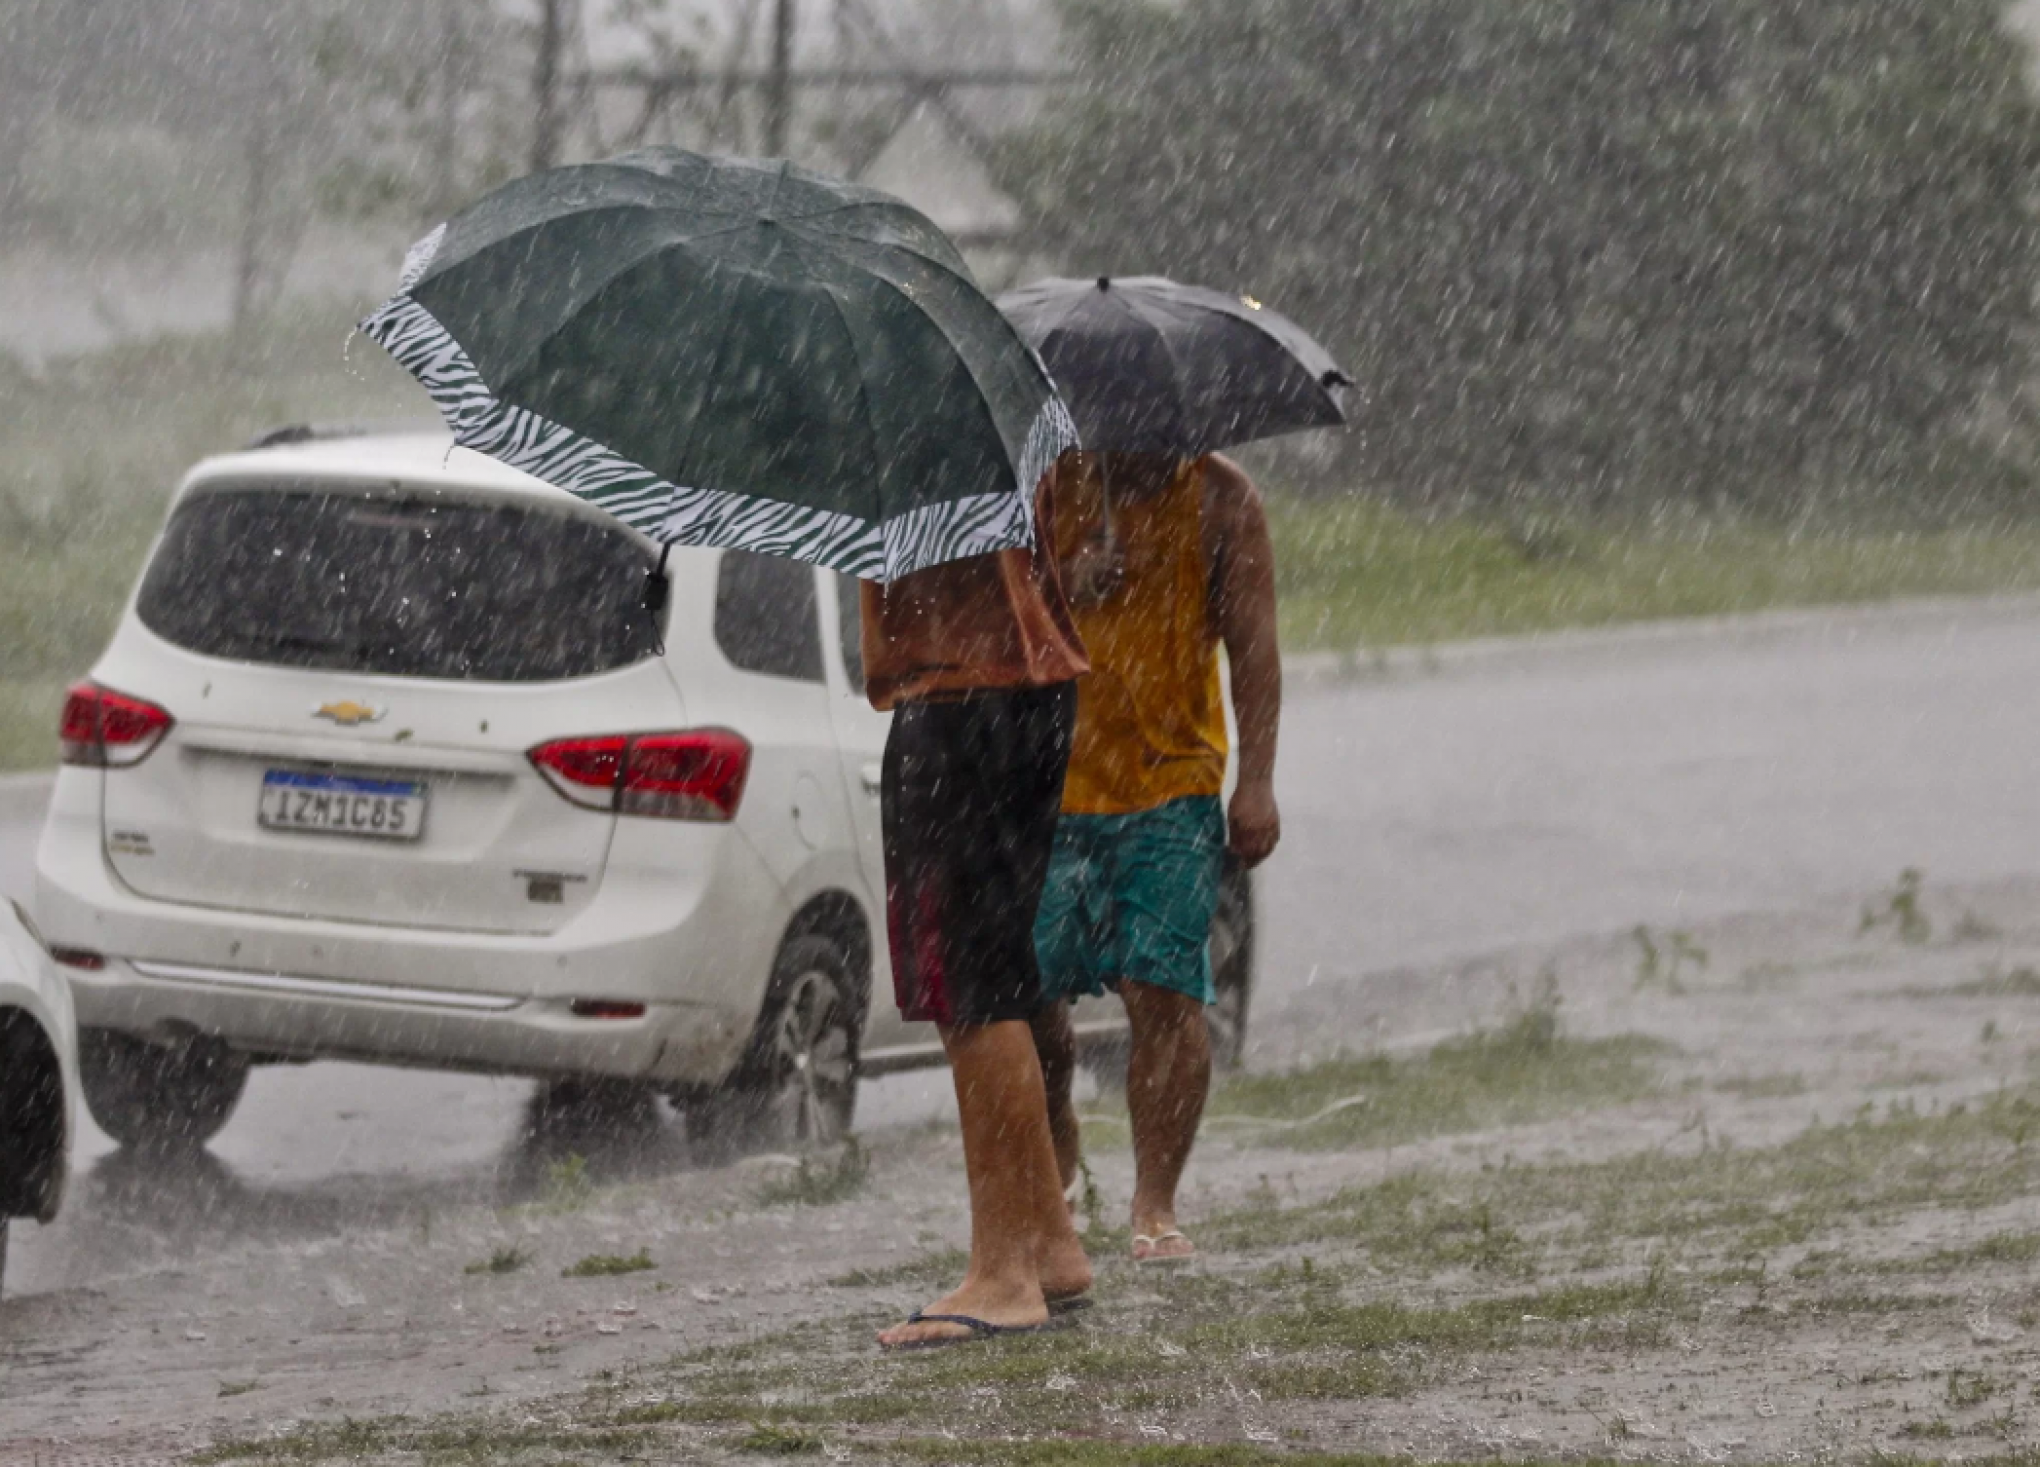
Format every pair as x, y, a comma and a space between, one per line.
1838, 624
23, 797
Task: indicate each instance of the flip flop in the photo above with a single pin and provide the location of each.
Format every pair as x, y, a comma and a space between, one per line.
1145, 1248
1073, 1304
980, 1329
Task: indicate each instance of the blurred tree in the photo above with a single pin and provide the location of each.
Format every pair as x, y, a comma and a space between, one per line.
1744, 251
275, 99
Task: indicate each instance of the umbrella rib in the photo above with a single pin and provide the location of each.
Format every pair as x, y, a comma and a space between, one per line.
863, 387
524, 359
979, 397
729, 315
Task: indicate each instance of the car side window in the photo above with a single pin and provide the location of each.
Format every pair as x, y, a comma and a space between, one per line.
850, 630
766, 615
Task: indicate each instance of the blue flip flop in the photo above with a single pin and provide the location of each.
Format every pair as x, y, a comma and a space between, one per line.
980, 1329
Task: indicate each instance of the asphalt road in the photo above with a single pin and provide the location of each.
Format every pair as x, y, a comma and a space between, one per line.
1507, 795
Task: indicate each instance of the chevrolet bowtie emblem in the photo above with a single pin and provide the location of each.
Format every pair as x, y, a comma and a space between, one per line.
347, 713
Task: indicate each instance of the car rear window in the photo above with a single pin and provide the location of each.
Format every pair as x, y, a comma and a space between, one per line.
403, 587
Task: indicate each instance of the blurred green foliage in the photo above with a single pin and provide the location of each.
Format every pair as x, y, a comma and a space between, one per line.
1358, 573
90, 449
1774, 258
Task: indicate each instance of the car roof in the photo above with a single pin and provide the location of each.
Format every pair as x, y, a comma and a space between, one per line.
426, 457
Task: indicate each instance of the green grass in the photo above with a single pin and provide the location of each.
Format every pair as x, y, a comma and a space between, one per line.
933, 1268
1290, 1333
1998, 982
1379, 1291
1359, 573
1740, 1203
1128, 1454
89, 452
818, 1182
608, 1265
473, 1442
1527, 1070
508, 1259
780, 1441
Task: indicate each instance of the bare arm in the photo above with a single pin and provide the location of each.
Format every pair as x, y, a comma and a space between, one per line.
1242, 561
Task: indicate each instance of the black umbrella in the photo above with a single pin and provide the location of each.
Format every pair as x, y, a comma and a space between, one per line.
722, 351
1150, 366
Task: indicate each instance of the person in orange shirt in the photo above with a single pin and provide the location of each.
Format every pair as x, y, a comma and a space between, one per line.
1164, 561
978, 659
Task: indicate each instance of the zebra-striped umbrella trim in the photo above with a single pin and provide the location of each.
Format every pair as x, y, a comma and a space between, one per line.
882, 551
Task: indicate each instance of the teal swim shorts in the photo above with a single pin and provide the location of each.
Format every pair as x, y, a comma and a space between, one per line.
1132, 896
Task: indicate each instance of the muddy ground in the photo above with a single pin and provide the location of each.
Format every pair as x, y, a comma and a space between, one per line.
1770, 1194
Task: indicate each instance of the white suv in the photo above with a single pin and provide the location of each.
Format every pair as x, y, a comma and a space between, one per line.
400, 755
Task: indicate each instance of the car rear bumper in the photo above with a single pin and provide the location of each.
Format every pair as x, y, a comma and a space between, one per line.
501, 1003
284, 1016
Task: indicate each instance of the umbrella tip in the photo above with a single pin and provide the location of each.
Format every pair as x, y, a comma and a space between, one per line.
1104, 282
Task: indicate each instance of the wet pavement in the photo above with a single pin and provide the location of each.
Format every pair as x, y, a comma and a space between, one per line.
1576, 785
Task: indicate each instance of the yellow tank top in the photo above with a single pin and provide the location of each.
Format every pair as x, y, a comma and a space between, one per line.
1151, 715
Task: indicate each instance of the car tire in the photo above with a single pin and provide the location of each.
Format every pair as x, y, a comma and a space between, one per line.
796, 1087
1232, 975
159, 1097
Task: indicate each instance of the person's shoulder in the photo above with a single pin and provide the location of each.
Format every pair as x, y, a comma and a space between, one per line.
1228, 490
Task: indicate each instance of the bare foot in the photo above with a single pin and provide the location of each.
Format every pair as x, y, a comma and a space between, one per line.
1006, 1308
1156, 1238
1065, 1271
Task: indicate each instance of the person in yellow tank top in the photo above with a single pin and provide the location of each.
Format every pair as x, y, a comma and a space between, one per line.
1164, 561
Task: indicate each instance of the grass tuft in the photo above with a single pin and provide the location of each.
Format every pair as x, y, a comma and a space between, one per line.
1526, 1070
507, 1259
608, 1265
817, 1182
774, 1440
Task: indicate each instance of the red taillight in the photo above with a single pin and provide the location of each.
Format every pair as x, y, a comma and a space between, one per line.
584, 770
686, 776
102, 729
697, 775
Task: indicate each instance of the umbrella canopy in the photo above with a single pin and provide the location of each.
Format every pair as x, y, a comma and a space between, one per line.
1150, 366
723, 351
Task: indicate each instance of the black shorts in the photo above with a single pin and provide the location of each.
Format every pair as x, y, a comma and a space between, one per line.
973, 786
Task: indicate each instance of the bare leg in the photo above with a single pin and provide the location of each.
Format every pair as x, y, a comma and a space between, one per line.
1021, 1241
1055, 1041
1167, 1079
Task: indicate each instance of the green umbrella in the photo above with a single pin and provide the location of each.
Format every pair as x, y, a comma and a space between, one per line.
721, 351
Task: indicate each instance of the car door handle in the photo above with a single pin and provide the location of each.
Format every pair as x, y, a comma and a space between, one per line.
874, 779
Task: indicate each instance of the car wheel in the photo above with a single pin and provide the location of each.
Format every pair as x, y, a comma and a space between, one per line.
156, 1096
1232, 966
796, 1088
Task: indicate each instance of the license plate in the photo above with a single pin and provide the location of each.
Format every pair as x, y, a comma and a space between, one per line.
342, 804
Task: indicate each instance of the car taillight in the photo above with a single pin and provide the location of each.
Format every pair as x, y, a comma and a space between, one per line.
584, 770
686, 776
697, 775
102, 729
